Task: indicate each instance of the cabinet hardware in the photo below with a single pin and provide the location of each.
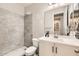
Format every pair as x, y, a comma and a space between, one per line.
76, 51
56, 50
53, 49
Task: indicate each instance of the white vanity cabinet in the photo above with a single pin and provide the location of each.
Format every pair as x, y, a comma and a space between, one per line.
66, 50
46, 48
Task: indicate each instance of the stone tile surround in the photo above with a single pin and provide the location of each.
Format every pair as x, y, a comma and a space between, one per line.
11, 31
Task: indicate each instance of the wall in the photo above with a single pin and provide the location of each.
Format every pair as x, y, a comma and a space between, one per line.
38, 24
49, 21
37, 11
13, 7
11, 31
28, 30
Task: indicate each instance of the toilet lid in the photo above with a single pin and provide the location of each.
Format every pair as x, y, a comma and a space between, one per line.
31, 50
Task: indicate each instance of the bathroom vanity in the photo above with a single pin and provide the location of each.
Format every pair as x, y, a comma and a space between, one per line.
61, 46
62, 21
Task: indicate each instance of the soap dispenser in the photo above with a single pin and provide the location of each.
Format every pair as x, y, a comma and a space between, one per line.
47, 34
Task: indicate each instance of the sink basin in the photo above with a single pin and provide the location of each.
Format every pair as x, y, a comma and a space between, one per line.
66, 39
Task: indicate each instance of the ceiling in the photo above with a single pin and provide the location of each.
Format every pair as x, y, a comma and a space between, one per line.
16, 4
23, 4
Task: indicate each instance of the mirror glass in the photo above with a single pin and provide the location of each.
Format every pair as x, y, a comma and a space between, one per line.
74, 18
58, 18
74, 21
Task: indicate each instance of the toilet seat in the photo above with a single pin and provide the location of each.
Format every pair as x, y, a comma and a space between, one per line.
30, 51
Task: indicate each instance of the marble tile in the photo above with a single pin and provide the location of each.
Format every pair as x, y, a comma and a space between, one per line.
11, 31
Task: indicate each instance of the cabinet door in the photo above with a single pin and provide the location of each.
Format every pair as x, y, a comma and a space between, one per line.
46, 48
65, 50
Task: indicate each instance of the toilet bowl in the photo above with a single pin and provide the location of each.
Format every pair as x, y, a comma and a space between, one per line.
30, 51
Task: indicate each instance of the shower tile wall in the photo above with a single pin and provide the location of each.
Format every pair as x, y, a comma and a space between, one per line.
11, 31
28, 30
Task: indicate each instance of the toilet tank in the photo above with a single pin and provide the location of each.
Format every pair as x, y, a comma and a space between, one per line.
35, 42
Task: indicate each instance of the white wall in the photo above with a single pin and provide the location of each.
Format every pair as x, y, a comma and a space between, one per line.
36, 7
37, 11
13, 7
38, 24
49, 21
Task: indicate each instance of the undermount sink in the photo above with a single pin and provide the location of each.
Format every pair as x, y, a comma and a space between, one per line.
66, 39
70, 40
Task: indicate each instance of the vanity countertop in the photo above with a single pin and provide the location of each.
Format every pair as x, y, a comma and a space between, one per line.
68, 40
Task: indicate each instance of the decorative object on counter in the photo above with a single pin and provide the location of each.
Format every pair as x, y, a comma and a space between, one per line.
77, 34
47, 34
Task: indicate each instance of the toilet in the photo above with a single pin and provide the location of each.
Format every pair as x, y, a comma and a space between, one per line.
30, 51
